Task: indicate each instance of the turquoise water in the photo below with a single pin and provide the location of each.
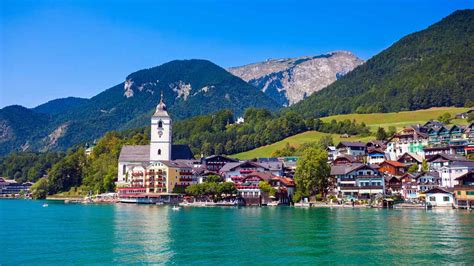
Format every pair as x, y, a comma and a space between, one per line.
111, 234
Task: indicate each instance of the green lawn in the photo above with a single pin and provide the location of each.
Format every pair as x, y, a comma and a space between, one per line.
296, 140
399, 120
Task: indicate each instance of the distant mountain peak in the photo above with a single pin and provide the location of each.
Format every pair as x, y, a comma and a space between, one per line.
289, 80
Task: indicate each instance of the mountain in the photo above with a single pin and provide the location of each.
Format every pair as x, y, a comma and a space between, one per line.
58, 106
290, 80
190, 88
429, 68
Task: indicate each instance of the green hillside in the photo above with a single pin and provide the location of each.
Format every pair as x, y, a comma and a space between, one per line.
374, 121
429, 68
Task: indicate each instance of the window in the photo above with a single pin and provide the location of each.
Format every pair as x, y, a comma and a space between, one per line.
124, 169
432, 199
470, 193
459, 193
159, 151
160, 124
445, 198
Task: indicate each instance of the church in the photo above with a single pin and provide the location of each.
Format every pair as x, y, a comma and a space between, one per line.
158, 167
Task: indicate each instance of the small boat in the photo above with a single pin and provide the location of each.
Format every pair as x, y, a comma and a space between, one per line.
176, 208
159, 203
45, 205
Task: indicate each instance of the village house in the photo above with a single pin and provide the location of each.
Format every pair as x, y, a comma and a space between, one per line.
409, 187
464, 191
427, 181
357, 181
346, 159
393, 168
439, 197
410, 159
214, 163
351, 148
237, 171
11, 188
449, 173
393, 185
410, 139
375, 156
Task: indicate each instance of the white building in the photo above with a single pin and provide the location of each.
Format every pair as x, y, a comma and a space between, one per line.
439, 197
139, 157
453, 170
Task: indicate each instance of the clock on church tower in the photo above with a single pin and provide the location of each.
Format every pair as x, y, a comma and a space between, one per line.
160, 143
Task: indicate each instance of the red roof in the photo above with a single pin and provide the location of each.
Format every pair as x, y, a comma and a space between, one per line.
394, 163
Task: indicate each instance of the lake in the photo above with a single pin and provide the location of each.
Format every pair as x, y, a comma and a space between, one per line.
123, 234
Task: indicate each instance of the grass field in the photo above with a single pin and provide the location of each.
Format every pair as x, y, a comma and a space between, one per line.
399, 120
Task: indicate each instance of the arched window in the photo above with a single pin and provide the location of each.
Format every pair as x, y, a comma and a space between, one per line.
159, 151
160, 124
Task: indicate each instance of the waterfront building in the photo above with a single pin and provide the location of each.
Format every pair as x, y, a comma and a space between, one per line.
464, 190
439, 197
357, 181
11, 188
409, 187
427, 181
393, 185
237, 171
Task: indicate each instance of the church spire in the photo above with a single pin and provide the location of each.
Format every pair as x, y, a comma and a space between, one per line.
161, 107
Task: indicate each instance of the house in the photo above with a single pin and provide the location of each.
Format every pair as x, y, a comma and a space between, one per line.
346, 159
375, 156
427, 181
273, 165
393, 168
464, 191
332, 153
393, 185
351, 148
216, 162
410, 158
409, 187
410, 139
446, 135
376, 144
449, 173
439, 160
285, 188
439, 197
237, 171
464, 115
357, 181
11, 188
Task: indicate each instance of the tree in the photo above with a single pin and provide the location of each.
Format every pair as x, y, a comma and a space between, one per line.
413, 168
326, 141
445, 118
381, 134
312, 172
39, 190
287, 150
424, 166
266, 188
470, 117
391, 131
213, 179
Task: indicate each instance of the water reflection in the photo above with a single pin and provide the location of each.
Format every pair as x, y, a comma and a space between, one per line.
141, 234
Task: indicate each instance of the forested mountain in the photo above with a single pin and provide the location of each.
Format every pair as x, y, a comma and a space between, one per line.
190, 88
433, 67
290, 80
58, 106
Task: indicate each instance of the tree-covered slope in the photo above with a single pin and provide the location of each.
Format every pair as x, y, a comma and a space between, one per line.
58, 106
433, 67
190, 88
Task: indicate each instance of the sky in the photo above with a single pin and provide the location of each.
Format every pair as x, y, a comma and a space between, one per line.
52, 49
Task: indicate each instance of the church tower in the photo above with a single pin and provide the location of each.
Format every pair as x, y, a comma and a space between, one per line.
160, 144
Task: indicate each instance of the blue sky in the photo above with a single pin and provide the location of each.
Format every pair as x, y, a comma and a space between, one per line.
52, 49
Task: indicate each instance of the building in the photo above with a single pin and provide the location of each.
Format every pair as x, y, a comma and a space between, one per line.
375, 156
11, 188
346, 159
410, 159
237, 171
409, 187
357, 181
146, 172
449, 173
411, 139
427, 181
216, 162
464, 191
393, 168
439, 197
393, 185
351, 148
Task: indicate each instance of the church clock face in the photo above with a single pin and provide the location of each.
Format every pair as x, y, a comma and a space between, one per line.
160, 133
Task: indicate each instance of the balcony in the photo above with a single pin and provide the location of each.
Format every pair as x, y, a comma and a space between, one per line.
246, 171
137, 174
247, 187
186, 179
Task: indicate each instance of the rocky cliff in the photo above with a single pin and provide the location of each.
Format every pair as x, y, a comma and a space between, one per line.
290, 80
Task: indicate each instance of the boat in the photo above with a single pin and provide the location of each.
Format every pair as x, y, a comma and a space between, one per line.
45, 205
159, 203
176, 208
